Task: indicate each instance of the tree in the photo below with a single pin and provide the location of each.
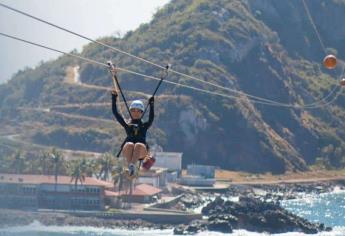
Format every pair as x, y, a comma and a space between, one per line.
44, 162
78, 171
17, 163
106, 164
58, 163
90, 168
117, 173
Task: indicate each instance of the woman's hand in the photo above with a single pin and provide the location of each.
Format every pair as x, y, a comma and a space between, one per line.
113, 70
114, 92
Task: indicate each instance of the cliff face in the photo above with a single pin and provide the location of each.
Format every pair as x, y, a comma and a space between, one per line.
266, 48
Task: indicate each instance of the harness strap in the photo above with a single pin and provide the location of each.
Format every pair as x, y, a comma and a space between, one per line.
118, 86
164, 75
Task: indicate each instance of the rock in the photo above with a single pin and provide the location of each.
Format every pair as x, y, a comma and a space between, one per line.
212, 206
220, 225
254, 214
179, 230
189, 200
193, 228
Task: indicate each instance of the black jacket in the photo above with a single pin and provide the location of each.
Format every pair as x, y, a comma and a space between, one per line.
135, 129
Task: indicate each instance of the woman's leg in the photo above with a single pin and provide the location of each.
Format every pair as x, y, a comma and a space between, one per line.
127, 151
140, 151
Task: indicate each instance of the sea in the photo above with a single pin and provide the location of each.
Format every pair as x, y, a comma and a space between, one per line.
327, 208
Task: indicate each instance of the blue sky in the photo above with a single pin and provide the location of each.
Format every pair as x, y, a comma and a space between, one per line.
91, 18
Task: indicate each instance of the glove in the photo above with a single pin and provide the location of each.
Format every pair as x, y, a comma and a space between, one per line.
151, 100
113, 92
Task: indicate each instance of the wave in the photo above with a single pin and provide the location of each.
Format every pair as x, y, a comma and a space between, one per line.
37, 229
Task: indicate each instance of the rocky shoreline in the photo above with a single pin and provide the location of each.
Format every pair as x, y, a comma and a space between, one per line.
250, 214
257, 209
11, 218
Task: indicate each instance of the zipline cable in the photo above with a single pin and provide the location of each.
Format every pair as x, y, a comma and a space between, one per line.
151, 77
306, 8
142, 59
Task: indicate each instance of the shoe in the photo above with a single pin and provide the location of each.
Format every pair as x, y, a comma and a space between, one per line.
131, 169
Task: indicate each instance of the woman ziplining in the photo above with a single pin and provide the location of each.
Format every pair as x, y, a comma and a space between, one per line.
134, 148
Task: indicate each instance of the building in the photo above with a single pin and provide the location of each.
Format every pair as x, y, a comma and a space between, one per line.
194, 180
142, 193
40, 191
201, 170
199, 175
156, 177
172, 161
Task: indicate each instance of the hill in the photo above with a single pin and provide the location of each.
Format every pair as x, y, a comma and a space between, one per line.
264, 47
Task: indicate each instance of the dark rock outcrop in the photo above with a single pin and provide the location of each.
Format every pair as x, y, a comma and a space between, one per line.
255, 215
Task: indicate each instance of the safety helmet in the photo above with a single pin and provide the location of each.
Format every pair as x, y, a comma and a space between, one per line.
137, 104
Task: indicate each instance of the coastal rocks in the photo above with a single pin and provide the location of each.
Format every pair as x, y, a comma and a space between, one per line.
10, 218
190, 200
215, 224
193, 228
255, 215
218, 225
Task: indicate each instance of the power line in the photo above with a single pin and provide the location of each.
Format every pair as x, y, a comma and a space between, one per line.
152, 77
263, 100
139, 58
306, 8
53, 49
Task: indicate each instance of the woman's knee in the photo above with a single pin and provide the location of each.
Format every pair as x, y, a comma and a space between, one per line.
139, 146
128, 145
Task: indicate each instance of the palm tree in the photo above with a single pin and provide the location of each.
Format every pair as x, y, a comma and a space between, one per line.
78, 172
106, 164
90, 168
117, 173
119, 179
44, 162
58, 162
17, 163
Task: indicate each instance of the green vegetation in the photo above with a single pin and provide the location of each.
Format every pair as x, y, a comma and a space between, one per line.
107, 167
265, 48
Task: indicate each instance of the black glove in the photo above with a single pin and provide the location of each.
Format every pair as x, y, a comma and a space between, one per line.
151, 100
114, 93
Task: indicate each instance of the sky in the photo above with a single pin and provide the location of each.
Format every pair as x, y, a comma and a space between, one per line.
92, 18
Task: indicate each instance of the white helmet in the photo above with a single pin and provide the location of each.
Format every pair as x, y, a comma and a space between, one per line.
137, 104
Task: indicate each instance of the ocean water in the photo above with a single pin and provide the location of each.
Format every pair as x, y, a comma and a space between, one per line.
326, 208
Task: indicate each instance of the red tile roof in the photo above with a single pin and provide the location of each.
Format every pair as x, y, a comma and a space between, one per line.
139, 190
49, 179
145, 190
108, 193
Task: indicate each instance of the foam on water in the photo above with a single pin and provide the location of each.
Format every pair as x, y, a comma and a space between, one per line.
36, 229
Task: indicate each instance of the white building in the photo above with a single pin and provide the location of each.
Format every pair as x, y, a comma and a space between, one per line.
199, 175
172, 161
194, 180
156, 176
205, 171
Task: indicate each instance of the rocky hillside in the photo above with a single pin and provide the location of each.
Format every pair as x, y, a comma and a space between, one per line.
266, 48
